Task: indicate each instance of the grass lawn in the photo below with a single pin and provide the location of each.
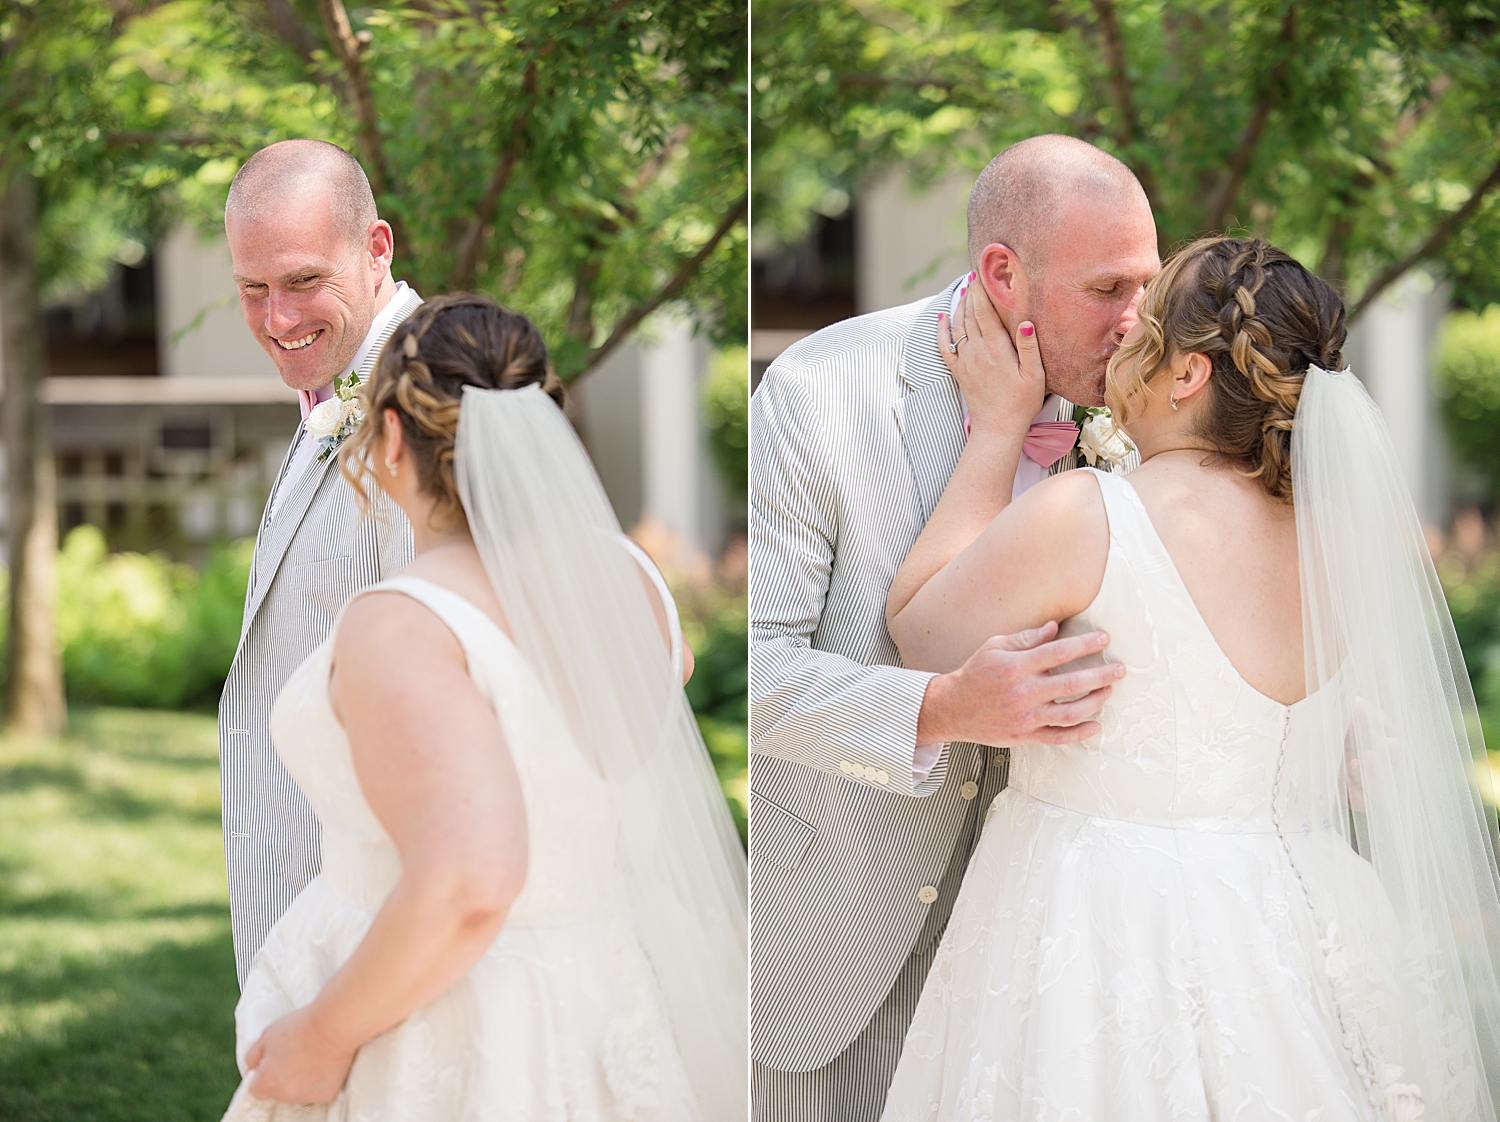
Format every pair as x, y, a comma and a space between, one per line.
117, 984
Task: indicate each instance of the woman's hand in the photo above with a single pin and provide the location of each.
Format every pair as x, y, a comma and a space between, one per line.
1003, 389
294, 1062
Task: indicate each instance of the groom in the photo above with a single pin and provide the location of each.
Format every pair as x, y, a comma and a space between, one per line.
312, 261
868, 780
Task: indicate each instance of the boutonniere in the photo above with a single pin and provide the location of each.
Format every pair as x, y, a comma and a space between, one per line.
333, 421
1099, 439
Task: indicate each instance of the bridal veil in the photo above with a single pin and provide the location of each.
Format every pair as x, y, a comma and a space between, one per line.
579, 613
1408, 777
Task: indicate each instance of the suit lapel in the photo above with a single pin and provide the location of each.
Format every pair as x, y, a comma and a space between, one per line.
930, 413
276, 537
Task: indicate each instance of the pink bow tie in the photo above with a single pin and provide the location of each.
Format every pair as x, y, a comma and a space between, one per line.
310, 398
1046, 441
1049, 441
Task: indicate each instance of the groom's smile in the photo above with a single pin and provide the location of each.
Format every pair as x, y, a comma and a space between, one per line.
298, 344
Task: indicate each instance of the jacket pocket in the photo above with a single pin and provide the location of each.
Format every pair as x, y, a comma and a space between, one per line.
776, 834
324, 586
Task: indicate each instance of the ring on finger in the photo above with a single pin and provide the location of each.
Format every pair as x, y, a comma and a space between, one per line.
953, 346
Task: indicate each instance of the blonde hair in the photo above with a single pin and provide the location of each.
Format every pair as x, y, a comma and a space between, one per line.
448, 343
1261, 319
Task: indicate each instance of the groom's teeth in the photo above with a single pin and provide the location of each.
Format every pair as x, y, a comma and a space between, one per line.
298, 344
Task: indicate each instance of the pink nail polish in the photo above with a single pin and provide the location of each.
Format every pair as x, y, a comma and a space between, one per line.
1027, 330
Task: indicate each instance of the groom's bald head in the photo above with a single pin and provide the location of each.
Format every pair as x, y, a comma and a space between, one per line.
1021, 198
304, 173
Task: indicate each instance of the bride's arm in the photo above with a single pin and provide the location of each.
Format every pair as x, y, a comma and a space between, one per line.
434, 767
1003, 386
1041, 559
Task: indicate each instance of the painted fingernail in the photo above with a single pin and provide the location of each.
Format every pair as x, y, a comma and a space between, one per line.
940, 315
1027, 330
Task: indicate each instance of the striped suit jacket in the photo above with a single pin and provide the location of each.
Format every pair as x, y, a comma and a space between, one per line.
309, 561
855, 432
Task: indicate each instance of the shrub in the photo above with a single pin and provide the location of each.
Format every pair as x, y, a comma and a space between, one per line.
142, 630
726, 414
1468, 384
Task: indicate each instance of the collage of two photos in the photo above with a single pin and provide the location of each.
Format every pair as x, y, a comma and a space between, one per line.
374, 731
807, 562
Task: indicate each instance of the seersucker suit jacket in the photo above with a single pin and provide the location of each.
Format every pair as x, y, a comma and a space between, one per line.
309, 561
855, 431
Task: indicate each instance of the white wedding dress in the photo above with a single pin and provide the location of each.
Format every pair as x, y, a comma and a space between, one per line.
562, 1020
1158, 923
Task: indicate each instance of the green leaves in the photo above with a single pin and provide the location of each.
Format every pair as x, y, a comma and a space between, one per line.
569, 160
1346, 131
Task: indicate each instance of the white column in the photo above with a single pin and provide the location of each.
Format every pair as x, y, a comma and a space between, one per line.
672, 456
910, 243
1390, 348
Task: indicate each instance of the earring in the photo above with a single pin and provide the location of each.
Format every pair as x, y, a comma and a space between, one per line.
1173, 398
392, 466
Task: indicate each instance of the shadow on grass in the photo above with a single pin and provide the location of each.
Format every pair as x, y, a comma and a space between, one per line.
97, 799
153, 1040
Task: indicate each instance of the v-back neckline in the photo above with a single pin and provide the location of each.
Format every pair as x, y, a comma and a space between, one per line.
1197, 613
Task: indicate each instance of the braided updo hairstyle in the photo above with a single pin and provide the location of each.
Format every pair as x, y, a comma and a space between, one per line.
1261, 319
448, 343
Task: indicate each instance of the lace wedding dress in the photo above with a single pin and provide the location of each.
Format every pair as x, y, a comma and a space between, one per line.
562, 1019
1161, 923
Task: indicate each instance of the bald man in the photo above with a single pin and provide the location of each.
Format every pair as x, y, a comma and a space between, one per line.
312, 261
867, 780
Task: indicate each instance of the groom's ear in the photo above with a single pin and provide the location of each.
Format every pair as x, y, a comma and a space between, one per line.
1003, 276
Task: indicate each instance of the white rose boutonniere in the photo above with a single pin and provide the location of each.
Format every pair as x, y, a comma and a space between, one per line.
333, 421
1100, 441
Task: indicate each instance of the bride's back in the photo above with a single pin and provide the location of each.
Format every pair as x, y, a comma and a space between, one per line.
1207, 384
1235, 548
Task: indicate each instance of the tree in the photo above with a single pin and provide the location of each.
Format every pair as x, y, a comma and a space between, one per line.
584, 164
44, 60
1362, 136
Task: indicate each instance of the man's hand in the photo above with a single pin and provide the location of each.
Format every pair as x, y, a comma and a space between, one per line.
294, 1062
1007, 693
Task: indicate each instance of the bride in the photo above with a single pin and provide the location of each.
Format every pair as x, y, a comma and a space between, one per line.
532, 902
1267, 888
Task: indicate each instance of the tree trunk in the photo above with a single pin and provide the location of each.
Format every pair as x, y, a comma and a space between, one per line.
34, 703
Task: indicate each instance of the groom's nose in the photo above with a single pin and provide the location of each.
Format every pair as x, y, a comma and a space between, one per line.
282, 313
1130, 317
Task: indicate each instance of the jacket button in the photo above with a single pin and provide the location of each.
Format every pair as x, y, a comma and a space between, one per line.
969, 790
927, 894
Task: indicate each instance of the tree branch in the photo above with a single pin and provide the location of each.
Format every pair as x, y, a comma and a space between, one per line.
289, 26
670, 291
347, 48
1440, 234
471, 244
1228, 189
1113, 43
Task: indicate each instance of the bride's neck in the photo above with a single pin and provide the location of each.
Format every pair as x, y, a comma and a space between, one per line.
1156, 436
429, 533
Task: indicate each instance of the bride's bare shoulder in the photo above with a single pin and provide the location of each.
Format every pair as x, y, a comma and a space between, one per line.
1069, 503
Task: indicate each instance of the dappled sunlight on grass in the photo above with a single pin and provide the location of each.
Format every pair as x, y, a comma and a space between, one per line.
117, 981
